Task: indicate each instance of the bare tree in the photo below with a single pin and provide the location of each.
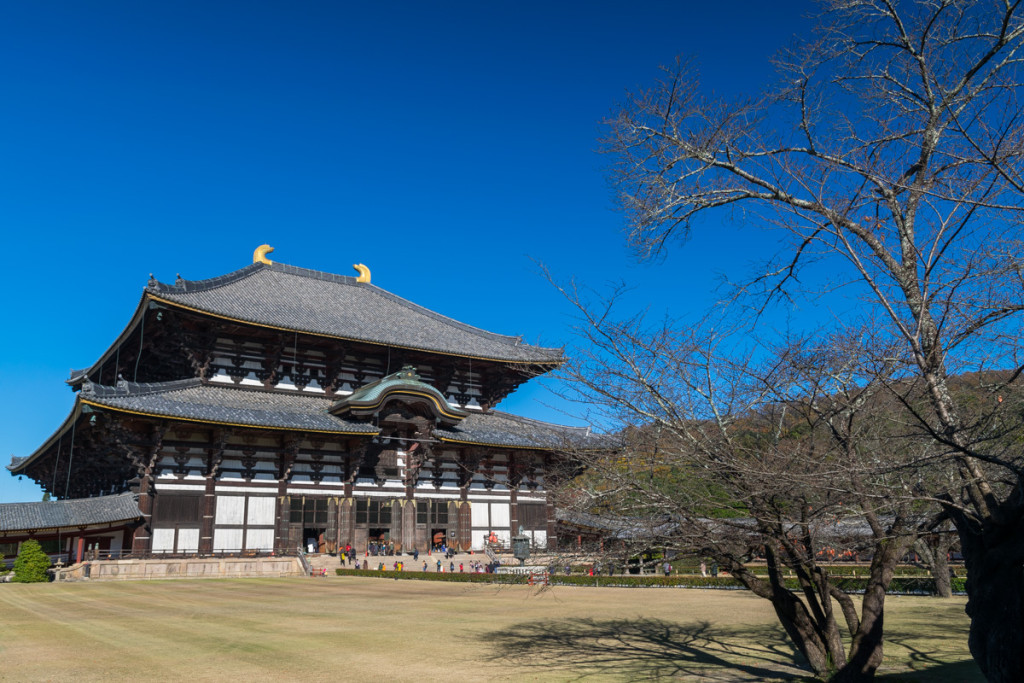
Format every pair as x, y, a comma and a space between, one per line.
891, 149
733, 450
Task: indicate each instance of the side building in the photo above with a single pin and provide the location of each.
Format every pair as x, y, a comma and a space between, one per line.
277, 406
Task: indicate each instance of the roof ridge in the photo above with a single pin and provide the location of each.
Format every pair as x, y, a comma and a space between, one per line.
181, 285
126, 388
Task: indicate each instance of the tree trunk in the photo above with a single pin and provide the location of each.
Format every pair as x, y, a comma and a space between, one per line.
933, 549
995, 590
940, 566
866, 648
807, 635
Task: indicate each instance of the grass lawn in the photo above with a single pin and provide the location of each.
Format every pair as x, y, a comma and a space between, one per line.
345, 628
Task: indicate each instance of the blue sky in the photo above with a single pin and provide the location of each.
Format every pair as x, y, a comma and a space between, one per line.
449, 146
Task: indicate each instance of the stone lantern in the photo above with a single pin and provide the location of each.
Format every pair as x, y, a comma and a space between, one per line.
521, 547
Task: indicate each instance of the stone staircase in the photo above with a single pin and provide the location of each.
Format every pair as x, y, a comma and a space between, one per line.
331, 563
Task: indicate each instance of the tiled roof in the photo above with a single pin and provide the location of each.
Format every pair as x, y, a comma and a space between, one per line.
189, 399
502, 429
291, 298
64, 513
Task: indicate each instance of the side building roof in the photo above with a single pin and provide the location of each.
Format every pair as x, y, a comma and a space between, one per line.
68, 513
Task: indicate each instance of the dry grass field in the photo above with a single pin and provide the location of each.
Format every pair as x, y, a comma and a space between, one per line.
375, 630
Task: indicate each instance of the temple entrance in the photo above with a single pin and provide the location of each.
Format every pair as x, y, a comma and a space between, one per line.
308, 524
438, 539
314, 540
378, 542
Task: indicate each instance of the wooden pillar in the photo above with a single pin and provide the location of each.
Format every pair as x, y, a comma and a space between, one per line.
79, 549
332, 524
126, 540
141, 537
347, 518
513, 508
145, 458
469, 460
209, 510
549, 513
282, 519
409, 525
465, 525
214, 458
285, 463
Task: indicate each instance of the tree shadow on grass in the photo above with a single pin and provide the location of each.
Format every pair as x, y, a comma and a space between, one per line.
643, 649
932, 650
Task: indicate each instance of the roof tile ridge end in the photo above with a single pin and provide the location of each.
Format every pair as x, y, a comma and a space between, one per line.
183, 286
125, 388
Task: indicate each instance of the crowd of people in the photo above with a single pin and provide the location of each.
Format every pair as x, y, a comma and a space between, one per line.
376, 548
348, 557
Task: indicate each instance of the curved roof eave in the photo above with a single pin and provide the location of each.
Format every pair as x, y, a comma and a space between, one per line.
76, 411
140, 310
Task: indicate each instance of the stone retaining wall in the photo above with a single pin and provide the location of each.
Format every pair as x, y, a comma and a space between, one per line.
196, 568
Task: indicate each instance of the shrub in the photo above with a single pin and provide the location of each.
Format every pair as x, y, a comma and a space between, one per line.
905, 585
32, 563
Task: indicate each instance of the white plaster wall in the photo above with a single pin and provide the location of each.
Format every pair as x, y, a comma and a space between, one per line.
227, 539
500, 516
163, 540
261, 510
230, 510
478, 538
188, 540
478, 512
259, 539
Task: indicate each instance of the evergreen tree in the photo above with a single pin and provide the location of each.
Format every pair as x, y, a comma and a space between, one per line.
32, 563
